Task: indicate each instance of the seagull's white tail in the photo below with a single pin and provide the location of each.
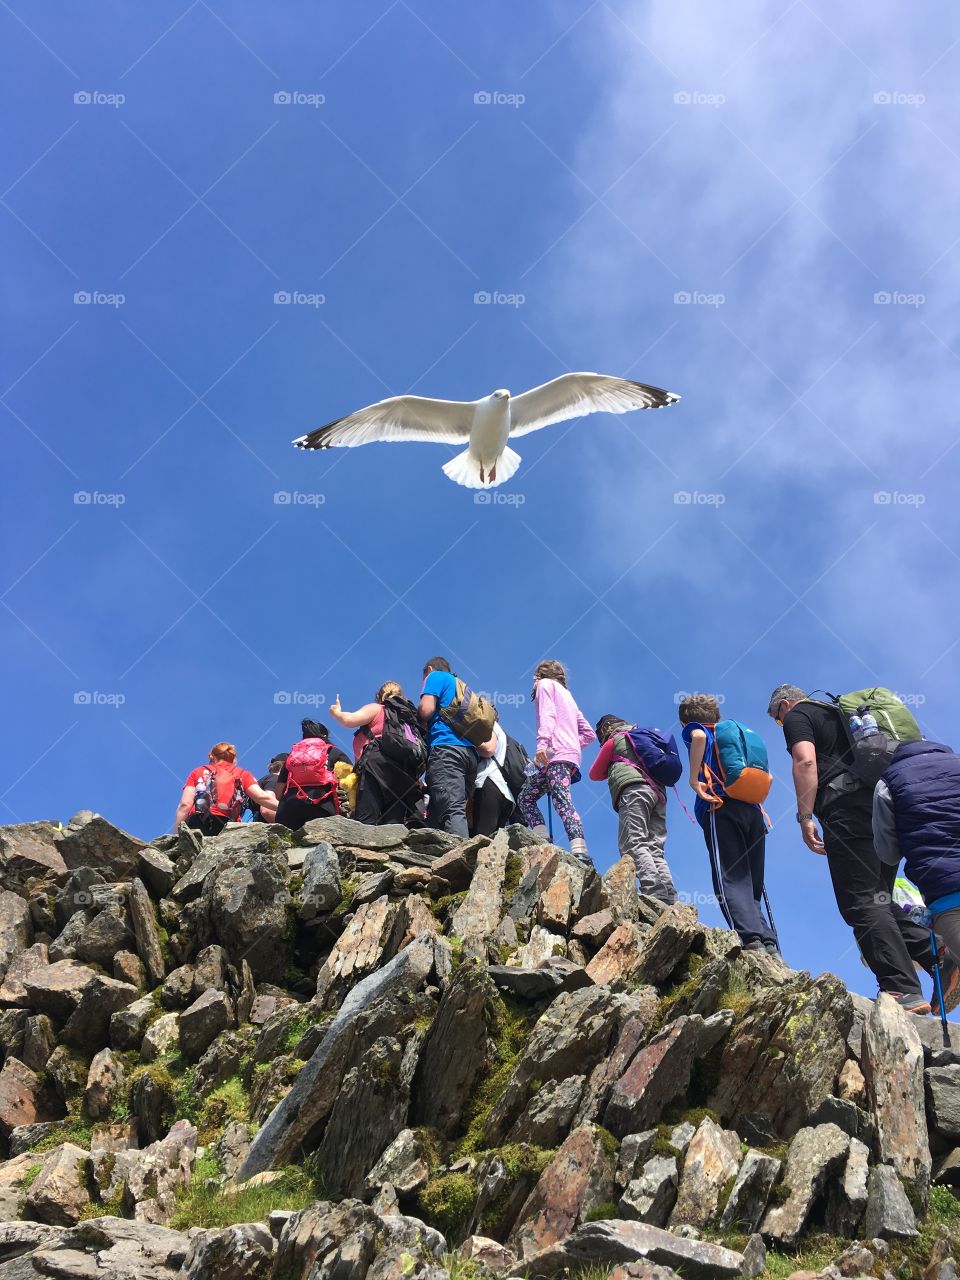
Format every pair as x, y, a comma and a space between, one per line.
465, 469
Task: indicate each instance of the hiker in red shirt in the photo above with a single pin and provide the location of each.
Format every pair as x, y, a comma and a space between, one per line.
216, 793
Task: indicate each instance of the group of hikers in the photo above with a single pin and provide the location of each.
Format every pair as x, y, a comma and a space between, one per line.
870, 792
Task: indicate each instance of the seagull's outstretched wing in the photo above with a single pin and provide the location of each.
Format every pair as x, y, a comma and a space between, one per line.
574, 394
399, 418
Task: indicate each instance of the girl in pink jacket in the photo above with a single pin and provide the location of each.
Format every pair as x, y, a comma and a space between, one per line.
561, 733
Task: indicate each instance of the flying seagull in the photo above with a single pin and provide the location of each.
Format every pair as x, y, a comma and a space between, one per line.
485, 425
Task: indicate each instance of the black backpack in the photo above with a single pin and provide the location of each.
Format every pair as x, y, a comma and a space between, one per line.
402, 740
514, 765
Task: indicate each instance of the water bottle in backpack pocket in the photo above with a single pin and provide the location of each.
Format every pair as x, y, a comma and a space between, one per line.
740, 759
877, 722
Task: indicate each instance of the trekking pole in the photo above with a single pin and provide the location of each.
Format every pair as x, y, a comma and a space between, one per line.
766, 903
550, 818
938, 985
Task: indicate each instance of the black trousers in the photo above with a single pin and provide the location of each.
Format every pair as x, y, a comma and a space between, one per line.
208, 824
863, 887
451, 773
384, 793
736, 841
490, 810
293, 813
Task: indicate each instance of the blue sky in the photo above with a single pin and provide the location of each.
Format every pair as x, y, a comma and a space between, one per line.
754, 207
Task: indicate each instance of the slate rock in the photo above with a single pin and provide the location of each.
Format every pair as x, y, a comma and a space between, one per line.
358, 952
157, 871
113, 1247
340, 831
28, 852
611, 1242
549, 1113
39, 1042
619, 955
478, 915
322, 886
783, 1056
21, 1100
58, 1194
635, 1150
661, 1071
104, 1084
13, 990
128, 967
893, 1068
712, 1160
942, 1089
489, 1255
750, 1193
242, 1252
161, 1037
571, 1036
177, 989
814, 1157
88, 1027
333, 1241
667, 943
146, 931
620, 891
315, 1089
210, 970
128, 1025
403, 1165
57, 988
247, 903
16, 928
651, 1195
578, 1178
889, 1215
95, 842
454, 1053
202, 1022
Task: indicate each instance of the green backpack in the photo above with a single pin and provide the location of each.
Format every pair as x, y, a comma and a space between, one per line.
895, 722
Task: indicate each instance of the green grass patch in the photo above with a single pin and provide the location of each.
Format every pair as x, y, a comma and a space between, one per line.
601, 1212
510, 1025
447, 1202
31, 1176
227, 1103
296, 1029
206, 1204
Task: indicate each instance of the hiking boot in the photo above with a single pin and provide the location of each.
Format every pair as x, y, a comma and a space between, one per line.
754, 945
773, 951
911, 1004
578, 847
950, 981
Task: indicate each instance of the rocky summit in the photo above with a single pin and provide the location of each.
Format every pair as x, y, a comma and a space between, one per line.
361, 1052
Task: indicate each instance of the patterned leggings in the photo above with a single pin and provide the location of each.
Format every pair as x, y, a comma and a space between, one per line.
555, 780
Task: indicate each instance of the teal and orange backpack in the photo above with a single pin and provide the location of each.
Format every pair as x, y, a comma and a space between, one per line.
740, 762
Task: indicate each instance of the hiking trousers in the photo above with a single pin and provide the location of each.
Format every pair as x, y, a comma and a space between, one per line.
863, 887
384, 793
451, 774
736, 841
553, 780
490, 811
642, 834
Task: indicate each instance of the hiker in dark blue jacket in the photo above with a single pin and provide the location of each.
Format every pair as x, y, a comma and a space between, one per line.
916, 816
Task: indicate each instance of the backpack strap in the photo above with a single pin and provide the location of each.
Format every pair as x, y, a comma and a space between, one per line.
638, 763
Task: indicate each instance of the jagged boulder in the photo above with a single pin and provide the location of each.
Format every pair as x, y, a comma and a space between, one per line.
146, 932
580, 1177
328, 1240
112, 1247
28, 853
609, 1243
893, 1067
569, 1039
58, 1194
91, 841
847, 1196
650, 1196
246, 902
322, 885
243, 1252
477, 916
620, 891
712, 1160
16, 928
782, 1058
455, 1051
750, 1193
889, 1214
814, 1157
